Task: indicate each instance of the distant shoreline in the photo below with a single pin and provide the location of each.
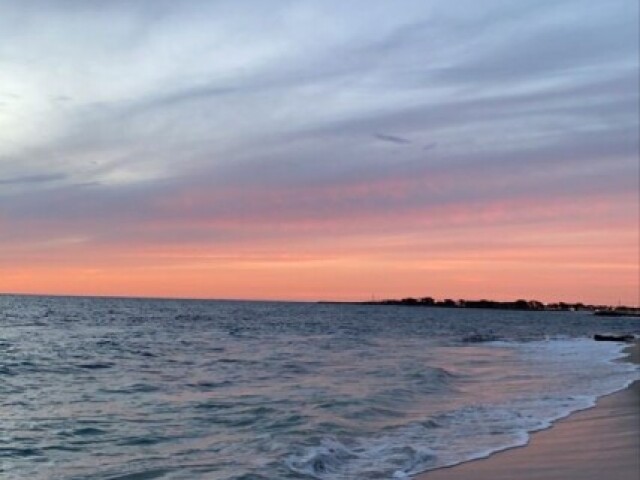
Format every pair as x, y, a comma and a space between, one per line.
517, 305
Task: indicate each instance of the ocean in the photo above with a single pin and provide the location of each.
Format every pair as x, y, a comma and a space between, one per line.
136, 389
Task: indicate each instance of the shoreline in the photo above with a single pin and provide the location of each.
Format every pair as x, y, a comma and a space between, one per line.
512, 306
599, 442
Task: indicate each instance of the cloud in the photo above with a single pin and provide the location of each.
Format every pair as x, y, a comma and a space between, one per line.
33, 179
198, 121
392, 139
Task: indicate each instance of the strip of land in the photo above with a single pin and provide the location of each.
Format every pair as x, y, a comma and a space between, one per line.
595, 444
521, 305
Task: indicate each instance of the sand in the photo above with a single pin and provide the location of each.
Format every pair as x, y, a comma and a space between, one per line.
602, 443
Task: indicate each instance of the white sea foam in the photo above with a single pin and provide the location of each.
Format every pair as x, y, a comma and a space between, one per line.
563, 376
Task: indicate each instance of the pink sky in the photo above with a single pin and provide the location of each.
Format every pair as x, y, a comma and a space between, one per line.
321, 150
582, 252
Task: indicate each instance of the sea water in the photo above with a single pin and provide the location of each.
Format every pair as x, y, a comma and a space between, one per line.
96, 388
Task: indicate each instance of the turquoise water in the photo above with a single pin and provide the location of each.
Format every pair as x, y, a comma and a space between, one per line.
145, 389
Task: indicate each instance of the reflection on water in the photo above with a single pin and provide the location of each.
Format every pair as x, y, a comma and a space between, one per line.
112, 388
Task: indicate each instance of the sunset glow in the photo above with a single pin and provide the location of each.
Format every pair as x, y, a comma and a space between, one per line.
320, 150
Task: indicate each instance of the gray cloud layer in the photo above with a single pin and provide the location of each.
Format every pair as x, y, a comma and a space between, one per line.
304, 110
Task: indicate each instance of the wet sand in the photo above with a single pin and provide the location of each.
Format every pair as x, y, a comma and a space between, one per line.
595, 444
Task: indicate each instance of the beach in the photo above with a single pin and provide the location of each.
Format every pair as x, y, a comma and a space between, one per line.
601, 442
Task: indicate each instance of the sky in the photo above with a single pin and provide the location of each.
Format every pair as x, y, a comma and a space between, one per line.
322, 149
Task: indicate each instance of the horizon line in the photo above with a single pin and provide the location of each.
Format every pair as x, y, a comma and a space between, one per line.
276, 300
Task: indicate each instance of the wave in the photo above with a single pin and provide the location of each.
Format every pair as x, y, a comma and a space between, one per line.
469, 432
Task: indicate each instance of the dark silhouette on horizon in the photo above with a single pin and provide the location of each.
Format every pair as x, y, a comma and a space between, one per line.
520, 304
